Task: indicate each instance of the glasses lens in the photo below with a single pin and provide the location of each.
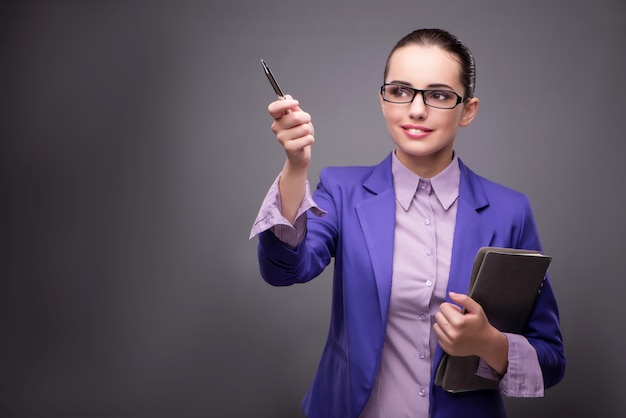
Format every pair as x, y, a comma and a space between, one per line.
440, 98
397, 93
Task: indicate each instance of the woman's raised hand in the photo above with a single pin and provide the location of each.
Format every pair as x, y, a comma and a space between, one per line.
294, 131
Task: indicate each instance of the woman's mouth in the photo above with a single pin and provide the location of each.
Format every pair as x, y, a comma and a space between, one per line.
416, 131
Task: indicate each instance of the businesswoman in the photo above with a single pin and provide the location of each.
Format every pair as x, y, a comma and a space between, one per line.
403, 235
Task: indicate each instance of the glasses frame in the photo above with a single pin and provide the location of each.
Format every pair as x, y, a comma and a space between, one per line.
459, 99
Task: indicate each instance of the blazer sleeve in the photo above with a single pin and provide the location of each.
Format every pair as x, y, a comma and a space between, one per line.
281, 265
543, 331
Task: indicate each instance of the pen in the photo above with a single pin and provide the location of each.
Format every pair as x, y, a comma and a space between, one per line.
272, 80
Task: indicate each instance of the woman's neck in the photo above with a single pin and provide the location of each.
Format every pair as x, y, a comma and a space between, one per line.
426, 166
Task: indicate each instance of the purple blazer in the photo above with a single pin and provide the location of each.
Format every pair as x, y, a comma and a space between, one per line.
358, 232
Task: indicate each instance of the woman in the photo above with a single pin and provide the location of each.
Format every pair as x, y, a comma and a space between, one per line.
404, 234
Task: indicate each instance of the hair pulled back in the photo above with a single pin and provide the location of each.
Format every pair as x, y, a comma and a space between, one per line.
448, 42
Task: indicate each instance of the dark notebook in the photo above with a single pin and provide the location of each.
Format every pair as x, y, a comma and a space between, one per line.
505, 282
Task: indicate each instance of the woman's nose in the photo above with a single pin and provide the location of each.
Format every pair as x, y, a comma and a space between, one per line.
417, 108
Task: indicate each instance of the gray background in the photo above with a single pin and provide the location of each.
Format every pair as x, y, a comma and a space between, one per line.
135, 151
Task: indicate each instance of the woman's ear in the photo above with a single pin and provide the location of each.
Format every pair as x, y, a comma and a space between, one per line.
469, 111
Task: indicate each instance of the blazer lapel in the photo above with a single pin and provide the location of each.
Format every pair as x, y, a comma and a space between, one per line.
377, 218
471, 231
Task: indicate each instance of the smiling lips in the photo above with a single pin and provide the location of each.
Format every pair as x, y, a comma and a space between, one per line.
416, 131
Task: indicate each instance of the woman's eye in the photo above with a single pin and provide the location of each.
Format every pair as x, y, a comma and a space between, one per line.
439, 95
399, 91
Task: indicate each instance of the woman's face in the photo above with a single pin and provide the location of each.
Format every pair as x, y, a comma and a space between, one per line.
424, 136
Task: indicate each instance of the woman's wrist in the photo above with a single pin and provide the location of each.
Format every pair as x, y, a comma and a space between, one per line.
496, 351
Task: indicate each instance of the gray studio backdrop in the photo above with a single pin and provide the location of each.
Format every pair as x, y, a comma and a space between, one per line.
136, 149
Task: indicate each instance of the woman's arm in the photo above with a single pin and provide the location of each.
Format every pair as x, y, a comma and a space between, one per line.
294, 131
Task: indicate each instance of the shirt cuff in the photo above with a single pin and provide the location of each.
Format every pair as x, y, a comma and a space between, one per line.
270, 216
523, 378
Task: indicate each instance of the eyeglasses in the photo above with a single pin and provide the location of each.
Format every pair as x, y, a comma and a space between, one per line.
440, 99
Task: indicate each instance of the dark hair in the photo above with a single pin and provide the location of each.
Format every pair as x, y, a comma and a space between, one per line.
448, 42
